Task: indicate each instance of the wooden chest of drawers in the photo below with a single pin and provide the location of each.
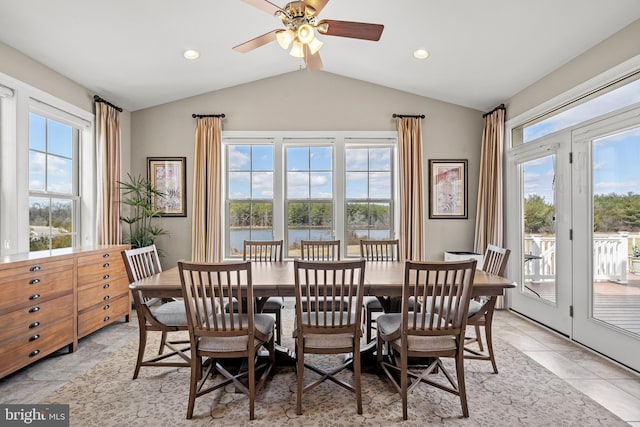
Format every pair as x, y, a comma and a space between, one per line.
103, 290
48, 302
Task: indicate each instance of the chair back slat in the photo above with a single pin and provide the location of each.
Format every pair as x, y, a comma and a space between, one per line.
495, 260
325, 286
141, 262
320, 250
207, 287
262, 250
446, 287
379, 250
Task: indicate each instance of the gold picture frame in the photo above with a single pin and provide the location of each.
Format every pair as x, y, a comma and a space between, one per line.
168, 175
448, 189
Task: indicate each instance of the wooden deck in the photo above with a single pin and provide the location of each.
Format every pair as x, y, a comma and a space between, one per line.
615, 303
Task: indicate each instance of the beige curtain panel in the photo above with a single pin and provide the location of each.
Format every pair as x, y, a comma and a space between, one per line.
411, 189
206, 230
108, 173
489, 216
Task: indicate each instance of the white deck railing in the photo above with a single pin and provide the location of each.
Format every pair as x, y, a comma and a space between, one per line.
610, 257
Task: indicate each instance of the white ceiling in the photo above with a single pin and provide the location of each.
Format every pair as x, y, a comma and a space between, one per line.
482, 51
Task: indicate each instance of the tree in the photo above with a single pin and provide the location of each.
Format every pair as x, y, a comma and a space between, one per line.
538, 215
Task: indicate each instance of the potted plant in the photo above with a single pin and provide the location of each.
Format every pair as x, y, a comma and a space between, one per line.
137, 193
634, 260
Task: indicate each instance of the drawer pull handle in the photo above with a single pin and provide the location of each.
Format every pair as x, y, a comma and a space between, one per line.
35, 337
34, 353
106, 298
106, 318
34, 281
106, 307
105, 255
34, 296
105, 265
106, 276
106, 286
35, 268
34, 309
34, 325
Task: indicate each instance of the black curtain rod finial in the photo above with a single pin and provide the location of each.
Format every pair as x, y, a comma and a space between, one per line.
97, 98
415, 116
201, 116
499, 107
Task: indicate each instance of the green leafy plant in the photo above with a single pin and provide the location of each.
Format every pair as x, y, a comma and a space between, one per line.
635, 251
137, 194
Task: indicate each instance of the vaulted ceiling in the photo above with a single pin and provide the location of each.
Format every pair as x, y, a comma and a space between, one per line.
481, 52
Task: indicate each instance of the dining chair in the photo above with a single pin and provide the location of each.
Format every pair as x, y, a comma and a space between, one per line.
167, 317
481, 309
376, 250
328, 328
267, 251
425, 335
320, 250
224, 336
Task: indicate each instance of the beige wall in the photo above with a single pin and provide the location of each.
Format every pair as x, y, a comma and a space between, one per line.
311, 101
618, 48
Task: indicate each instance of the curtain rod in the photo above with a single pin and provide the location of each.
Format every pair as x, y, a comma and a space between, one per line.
201, 116
499, 107
96, 98
402, 116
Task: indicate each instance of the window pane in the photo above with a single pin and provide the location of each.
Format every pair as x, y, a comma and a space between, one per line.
380, 217
239, 185
39, 225
321, 158
356, 159
262, 216
239, 214
37, 164
61, 216
236, 240
60, 138
262, 185
321, 214
262, 157
356, 185
37, 132
239, 157
321, 185
298, 159
380, 185
298, 214
294, 237
297, 185
380, 159
59, 175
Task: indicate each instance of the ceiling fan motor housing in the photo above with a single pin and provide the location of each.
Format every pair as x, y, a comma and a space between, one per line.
298, 13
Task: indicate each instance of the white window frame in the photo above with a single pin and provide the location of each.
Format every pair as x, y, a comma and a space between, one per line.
340, 139
14, 163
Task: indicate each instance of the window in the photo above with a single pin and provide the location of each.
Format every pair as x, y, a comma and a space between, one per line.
309, 186
249, 195
53, 189
368, 195
309, 195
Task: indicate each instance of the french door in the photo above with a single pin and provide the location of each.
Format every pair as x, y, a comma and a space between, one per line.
538, 228
606, 200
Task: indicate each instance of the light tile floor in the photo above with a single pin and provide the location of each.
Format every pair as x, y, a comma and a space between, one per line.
614, 387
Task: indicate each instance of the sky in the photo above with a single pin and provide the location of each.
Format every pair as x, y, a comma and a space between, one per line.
56, 139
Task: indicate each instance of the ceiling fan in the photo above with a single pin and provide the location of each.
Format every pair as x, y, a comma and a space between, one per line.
300, 19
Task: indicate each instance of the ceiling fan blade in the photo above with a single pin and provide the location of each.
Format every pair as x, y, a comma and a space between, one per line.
257, 42
313, 62
354, 30
265, 6
317, 5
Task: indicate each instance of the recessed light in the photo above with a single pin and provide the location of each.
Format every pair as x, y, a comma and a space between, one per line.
420, 54
191, 54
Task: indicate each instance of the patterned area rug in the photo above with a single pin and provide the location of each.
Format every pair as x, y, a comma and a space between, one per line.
523, 393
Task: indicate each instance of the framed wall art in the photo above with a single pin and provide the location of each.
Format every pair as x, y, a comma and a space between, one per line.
448, 189
169, 176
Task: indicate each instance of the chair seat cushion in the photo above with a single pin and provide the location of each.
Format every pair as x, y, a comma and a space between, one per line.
262, 323
171, 314
389, 325
474, 306
371, 303
273, 304
325, 341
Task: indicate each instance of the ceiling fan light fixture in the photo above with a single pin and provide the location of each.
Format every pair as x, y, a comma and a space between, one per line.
315, 45
296, 50
305, 33
285, 38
